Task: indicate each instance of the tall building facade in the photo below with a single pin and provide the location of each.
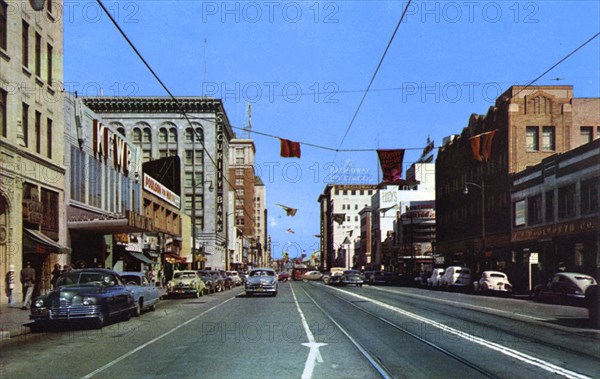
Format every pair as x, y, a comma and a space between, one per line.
340, 206
201, 138
32, 210
473, 204
260, 224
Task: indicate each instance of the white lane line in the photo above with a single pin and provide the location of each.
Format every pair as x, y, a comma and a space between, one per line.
462, 305
314, 355
382, 371
547, 366
114, 362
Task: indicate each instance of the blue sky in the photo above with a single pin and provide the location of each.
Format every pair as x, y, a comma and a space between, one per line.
303, 65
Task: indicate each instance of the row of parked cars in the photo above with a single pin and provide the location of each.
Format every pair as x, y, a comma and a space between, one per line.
203, 282
96, 295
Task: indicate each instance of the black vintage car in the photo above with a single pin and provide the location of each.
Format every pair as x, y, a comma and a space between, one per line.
88, 294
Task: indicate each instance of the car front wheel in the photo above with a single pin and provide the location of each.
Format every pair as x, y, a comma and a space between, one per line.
137, 311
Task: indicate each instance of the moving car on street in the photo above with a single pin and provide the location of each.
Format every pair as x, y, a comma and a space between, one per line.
564, 288
94, 295
145, 293
261, 280
186, 282
352, 279
493, 281
311, 275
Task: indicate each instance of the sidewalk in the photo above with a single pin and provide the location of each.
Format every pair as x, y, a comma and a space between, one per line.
13, 320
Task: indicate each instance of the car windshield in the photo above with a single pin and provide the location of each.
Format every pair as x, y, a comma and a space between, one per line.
184, 275
81, 278
497, 276
131, 278
262, 273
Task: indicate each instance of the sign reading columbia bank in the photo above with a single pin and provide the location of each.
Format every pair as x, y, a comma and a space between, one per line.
153, 186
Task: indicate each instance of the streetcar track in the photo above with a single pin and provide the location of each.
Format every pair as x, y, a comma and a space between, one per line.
510, 332
440, 349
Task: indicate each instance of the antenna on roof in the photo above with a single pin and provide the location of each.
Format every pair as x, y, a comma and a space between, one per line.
249, 121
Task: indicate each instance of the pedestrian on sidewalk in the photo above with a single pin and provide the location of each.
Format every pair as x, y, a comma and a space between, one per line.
28, 281
55, 274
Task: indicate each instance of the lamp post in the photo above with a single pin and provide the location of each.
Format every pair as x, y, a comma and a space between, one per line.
482, 190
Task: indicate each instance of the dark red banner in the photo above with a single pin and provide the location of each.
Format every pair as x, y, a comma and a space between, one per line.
391, 164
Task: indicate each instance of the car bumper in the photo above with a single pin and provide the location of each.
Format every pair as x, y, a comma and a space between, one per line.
66, 313
260, 289
182, 291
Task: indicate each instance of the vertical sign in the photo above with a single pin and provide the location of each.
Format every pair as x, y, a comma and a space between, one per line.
219, 172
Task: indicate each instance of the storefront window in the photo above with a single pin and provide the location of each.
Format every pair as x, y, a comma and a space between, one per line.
549, 206
519, 212
566, 201
590, 196
534, 210
50, 203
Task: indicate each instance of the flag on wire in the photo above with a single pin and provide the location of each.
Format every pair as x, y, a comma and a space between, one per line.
481, 145
290, 231
391, 164
289, 149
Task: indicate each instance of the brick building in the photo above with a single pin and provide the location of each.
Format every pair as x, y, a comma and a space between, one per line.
530, 124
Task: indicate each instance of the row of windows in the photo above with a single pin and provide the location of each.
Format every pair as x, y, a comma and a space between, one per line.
535, 209
532, 138
587, 134
353, 192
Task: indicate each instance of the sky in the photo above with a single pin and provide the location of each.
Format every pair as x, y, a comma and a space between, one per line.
304, 67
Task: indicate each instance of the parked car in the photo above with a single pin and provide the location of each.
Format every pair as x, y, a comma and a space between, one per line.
87, 294
368, 276
186, 282
352, 279
237, 280
421, 279
335, 280
383, 277
218, 279
228, 282
209, 282
435, 280
592, 302
283, 276
261, 280
564, 288
145, 294
493, 281
335, 271
311, 275
456, 277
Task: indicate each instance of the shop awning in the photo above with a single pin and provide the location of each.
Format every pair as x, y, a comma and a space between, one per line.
39, 242
142, 258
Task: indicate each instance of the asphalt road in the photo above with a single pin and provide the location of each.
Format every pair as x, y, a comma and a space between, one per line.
314, 331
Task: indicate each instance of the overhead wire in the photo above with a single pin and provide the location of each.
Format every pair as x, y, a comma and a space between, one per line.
375, 73
163, 85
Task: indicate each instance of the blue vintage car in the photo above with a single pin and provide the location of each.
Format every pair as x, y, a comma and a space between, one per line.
88, 294
145, 294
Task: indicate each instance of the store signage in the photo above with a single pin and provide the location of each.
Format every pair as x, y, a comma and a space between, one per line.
106, 141
556, 230
33, 211
155, 187
220, 136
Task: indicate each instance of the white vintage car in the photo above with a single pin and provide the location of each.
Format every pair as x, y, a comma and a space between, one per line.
493, 281
186, 282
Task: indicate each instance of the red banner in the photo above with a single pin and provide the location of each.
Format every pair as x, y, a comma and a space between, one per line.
289, 149
391, 164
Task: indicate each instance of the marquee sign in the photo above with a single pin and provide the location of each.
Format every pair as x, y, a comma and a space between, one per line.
105, 141
557, 230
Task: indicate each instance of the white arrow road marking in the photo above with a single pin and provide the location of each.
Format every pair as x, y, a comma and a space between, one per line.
314, 355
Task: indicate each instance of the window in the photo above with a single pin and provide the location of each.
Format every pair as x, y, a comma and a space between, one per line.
78, 177
49, 63
549, 206
3, 24
239, 160
3, 112
534, 210
590, 195
519, 212
548, 140
239, 181
566, 201
25, 43
25, 122
38, 132
38, 54
356, 206
49, 6
49, 137
532, 138
587, 133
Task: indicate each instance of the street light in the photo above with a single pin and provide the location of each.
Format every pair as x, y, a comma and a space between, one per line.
482, 189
